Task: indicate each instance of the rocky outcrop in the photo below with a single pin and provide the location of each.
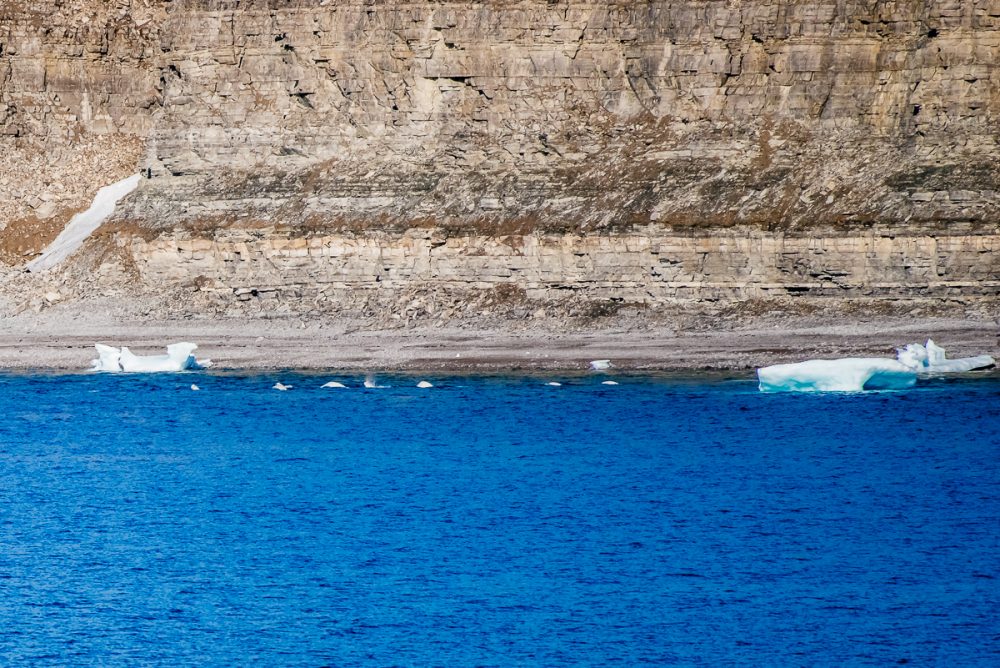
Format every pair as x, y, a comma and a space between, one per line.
276, 269
578, 115
723, 145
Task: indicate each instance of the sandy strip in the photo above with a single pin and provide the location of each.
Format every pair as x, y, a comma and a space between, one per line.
54, 341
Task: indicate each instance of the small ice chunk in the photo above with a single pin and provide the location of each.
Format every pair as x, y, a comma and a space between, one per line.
281, 386
931, 359
609, 382
424, 384
107, 358
195, 387
962, 364
333, 383
554, 384
935, 353
600, 365
912, 355
851, 374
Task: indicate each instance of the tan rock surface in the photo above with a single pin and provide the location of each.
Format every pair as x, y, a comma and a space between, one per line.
429, 160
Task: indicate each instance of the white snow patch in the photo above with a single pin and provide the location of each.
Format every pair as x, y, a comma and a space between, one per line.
179, 357
83, 224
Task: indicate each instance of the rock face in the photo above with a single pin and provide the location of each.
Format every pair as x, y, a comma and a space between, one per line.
645, 266
702, 149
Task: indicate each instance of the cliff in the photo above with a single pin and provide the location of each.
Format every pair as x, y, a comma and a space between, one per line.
639, 152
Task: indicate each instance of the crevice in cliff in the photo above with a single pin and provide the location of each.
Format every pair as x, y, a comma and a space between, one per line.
303, 99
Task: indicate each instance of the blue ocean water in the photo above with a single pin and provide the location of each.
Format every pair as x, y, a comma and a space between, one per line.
496, 521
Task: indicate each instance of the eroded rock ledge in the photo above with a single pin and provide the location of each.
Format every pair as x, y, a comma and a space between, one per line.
458, 274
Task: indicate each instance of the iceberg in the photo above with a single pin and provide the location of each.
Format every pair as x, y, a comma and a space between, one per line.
856, 374
179, 357
851, 374
930, 359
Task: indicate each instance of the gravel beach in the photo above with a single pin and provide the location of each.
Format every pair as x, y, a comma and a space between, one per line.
63, 338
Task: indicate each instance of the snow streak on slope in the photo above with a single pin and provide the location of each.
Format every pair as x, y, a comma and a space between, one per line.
83, 224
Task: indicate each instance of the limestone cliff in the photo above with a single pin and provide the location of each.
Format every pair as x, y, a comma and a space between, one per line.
679, 149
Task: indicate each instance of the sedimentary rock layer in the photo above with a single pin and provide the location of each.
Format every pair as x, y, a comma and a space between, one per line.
574, 113
797, 126
644, 267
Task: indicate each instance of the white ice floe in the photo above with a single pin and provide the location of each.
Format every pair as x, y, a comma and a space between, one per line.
930, 359
600, 365
107, 358
851, 374
179, 357
855, 374
609, 382
424, 385
333, 383
281, 386
82, 225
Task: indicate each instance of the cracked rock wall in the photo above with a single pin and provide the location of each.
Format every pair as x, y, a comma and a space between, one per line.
583, 120
645, 266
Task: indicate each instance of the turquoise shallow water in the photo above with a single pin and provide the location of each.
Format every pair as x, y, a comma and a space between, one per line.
496, 521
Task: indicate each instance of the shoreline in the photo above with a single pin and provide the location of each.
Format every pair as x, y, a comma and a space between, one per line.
55, 342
